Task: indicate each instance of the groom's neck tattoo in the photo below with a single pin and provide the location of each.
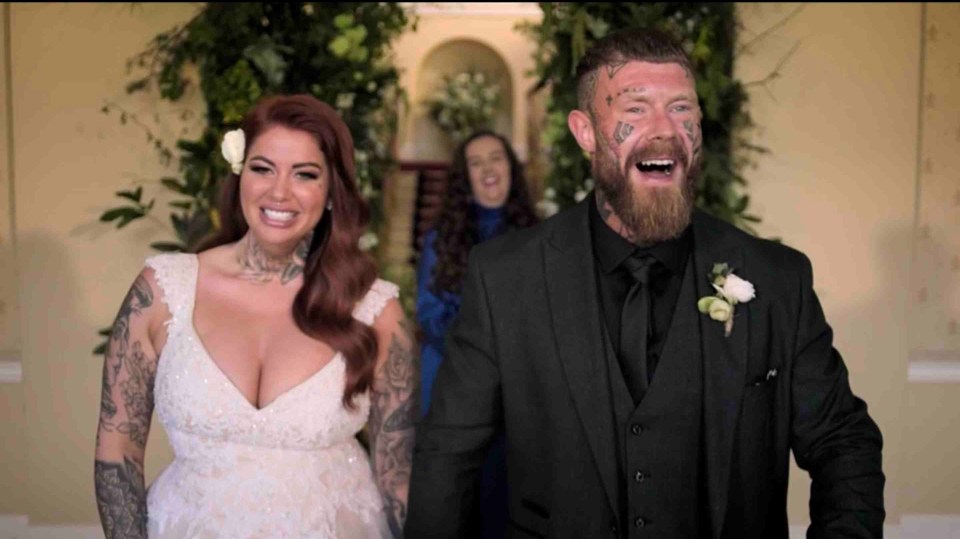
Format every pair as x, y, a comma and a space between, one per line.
610, 217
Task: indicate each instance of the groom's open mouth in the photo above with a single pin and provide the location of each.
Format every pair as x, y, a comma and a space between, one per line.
662, 167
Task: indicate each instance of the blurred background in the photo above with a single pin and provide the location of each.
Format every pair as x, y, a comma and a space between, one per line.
841, 125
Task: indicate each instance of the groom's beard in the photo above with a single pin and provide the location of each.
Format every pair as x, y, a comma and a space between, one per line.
652, 214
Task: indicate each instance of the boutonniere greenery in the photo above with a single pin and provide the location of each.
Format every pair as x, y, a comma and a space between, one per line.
731, 290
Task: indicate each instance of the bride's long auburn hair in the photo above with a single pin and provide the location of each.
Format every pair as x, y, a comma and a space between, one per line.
336, 273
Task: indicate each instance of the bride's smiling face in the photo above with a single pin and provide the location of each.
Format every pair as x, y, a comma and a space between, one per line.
284, 187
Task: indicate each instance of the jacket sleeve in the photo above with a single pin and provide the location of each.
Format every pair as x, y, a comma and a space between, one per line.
434, 313
833, 436
452, 439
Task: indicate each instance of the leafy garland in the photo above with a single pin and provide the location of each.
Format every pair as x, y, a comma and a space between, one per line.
708, 32
338, 52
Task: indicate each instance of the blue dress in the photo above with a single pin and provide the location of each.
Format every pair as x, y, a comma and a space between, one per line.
435, 313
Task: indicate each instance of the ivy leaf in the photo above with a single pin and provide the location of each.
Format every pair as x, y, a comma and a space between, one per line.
137, 85
167, 247
343, 21
131, 195
174, 185
598, 27
265, 56
123, 216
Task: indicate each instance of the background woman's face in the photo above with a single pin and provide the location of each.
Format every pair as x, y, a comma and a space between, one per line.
488, 168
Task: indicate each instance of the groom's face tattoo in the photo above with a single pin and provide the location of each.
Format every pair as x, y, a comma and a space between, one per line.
647, 124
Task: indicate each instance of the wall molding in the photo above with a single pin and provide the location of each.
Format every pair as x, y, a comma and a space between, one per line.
934, 367
477, 9
911, 527
11, 372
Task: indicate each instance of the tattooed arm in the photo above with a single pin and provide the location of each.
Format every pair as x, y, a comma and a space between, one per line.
393, 410
126, 406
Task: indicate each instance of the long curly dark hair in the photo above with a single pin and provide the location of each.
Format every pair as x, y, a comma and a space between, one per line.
456, 227
337, 273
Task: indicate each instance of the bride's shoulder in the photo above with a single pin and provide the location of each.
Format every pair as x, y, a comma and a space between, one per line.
380, 294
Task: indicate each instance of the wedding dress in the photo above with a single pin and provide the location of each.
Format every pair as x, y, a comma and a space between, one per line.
292, 469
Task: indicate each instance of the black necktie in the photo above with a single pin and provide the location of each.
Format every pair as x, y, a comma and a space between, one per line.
635, 326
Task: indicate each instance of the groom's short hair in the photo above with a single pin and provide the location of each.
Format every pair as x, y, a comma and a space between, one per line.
630, 45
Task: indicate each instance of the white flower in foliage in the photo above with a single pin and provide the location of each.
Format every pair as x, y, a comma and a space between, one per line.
547, 208
233, 145
368, 241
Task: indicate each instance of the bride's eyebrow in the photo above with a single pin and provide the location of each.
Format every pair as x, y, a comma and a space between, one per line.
264, 159
307, 164
295, 165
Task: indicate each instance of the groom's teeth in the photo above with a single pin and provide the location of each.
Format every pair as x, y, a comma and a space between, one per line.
278, 215
657, 163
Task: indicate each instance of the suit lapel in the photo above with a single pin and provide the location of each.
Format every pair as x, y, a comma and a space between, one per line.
724, 362
575, 314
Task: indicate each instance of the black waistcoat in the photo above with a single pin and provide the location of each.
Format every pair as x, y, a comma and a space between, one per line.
659, 442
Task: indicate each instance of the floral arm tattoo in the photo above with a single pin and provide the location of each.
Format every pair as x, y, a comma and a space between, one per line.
126, 406
393, 411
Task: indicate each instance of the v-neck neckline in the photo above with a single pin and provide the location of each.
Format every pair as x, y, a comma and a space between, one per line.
190, 308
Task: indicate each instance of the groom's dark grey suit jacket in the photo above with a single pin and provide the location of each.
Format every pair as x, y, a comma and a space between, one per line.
527, 355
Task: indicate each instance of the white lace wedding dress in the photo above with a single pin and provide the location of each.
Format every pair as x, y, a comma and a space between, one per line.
290, 470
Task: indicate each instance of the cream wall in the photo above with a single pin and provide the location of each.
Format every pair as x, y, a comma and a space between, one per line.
9, 330
841, 123
67, 61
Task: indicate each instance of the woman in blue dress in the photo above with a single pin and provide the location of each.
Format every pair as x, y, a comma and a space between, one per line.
486, 196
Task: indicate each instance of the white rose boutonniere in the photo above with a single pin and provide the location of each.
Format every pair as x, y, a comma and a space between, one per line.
233, 145
731, 290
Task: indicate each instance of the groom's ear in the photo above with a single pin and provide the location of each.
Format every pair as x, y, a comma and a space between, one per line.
581, 126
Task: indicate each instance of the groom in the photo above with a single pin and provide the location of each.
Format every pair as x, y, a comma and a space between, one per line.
628, 412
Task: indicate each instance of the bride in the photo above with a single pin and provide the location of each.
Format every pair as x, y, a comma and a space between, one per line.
265, 354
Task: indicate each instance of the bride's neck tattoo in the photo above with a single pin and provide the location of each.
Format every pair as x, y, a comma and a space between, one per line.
258, 266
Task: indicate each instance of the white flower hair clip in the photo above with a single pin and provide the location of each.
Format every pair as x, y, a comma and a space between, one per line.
233, 145
731, 290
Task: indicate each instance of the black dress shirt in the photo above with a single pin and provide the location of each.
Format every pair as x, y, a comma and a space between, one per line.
614, 281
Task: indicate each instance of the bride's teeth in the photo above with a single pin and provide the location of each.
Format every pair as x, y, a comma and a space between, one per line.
277, 215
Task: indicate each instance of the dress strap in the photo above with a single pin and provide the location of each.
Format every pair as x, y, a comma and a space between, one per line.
176, 275
375, 300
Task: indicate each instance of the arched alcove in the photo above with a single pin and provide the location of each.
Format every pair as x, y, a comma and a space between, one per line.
429, 142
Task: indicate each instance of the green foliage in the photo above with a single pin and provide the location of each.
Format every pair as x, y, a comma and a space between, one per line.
708, 32
243, 51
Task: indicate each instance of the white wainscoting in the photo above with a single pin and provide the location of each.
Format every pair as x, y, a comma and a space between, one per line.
17, 527
911, 527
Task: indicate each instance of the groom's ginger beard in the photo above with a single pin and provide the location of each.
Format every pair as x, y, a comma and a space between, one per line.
649, 214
